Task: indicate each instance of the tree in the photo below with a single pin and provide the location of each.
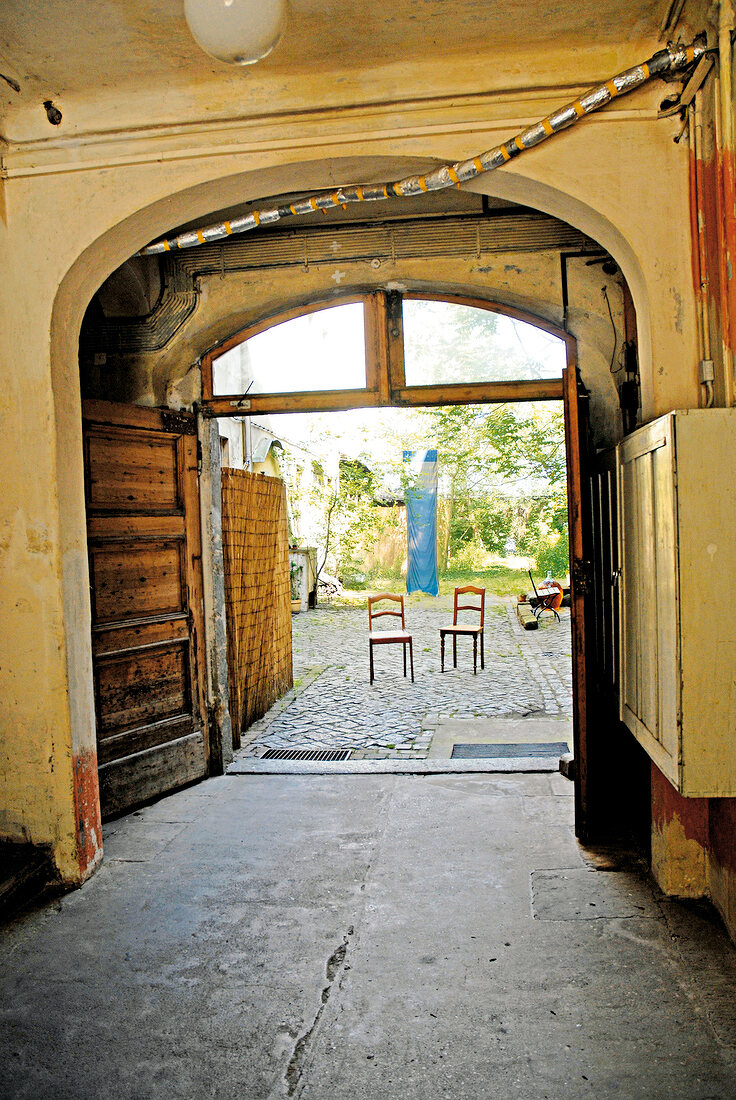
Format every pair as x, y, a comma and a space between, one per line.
349, 518
504, 473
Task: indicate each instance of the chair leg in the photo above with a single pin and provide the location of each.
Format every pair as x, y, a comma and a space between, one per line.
454, 650
403, 646
370, 650
482, 654
475, 655
411, 659
442, 652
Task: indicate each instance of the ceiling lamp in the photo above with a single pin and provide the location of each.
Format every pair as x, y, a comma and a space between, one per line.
239, 32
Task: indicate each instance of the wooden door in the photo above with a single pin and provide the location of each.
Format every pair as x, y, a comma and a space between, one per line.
145, 566
604, 496
581, 587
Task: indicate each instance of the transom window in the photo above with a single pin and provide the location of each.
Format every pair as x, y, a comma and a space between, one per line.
447, 342
321, 350
386, 348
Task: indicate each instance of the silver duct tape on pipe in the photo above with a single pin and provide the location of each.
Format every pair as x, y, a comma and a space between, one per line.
665, 61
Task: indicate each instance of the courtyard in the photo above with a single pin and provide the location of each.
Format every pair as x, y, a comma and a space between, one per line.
526, 683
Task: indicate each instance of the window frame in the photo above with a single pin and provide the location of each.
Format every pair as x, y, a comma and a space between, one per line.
384, 360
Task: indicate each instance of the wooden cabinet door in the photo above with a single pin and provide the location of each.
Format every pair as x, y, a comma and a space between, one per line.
145, 562
650, 689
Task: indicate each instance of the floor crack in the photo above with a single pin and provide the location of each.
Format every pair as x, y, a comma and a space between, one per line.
297, 1063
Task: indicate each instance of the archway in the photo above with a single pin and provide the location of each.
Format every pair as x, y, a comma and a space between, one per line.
75, 291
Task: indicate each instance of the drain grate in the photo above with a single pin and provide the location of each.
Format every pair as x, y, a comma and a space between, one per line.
498, 751
306, 754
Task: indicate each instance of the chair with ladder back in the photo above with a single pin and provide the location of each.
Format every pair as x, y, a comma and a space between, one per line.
387, 637
461, 630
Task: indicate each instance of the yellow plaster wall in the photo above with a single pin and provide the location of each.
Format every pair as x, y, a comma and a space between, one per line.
619, 178
38, 753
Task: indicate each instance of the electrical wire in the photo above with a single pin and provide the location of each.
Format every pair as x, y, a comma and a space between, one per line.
604, 292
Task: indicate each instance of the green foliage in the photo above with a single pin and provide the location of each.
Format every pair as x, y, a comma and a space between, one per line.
504, 468
487, 521
555, 559
555, 554
351, 522
295, 578
359, 519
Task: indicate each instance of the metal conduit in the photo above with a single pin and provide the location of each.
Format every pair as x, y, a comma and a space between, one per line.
669, 60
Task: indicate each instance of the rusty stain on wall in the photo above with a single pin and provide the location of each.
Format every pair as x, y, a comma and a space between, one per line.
87, 813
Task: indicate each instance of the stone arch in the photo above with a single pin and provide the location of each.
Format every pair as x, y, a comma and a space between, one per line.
110, 249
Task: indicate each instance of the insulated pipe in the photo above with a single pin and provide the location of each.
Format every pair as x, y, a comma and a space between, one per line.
695, 221
694, 234
724, 117
723, 269
661, 63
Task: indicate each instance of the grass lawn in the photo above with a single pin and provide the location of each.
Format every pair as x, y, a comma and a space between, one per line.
498, 580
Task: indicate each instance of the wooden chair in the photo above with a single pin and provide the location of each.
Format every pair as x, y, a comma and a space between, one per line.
386, 637
458, 629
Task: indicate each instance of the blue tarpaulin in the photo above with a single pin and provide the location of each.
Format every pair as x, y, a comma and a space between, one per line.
421, 520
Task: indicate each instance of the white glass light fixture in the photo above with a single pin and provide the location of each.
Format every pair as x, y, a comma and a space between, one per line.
239, 32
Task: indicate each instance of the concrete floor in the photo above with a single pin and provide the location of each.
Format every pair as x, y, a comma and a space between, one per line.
363, 936
471, 731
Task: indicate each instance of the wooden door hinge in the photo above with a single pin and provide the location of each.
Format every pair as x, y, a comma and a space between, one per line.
582, 577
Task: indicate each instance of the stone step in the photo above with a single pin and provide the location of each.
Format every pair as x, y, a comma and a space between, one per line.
527, 618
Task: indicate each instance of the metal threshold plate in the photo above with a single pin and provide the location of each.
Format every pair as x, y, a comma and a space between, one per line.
490, 751
306, 754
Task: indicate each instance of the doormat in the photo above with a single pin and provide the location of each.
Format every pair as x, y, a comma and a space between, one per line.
487, 751
306, 754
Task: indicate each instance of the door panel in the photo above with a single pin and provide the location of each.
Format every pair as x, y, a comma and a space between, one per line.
140, 580
142, 686
581, 581
606, 573
131, 471
149, 773
147, 617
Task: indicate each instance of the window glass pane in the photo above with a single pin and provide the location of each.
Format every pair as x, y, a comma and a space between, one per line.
445, 343
324, 350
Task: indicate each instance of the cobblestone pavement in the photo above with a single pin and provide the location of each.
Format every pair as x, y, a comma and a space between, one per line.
333, 704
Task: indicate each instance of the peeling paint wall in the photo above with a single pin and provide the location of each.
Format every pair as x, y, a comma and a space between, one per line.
722, 858
694, 847
48, 767
679, 840
694, 840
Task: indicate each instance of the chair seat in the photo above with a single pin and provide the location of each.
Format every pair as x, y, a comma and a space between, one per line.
379, 636
461, 630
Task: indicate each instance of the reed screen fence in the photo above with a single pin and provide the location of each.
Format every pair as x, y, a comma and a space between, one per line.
257, 594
